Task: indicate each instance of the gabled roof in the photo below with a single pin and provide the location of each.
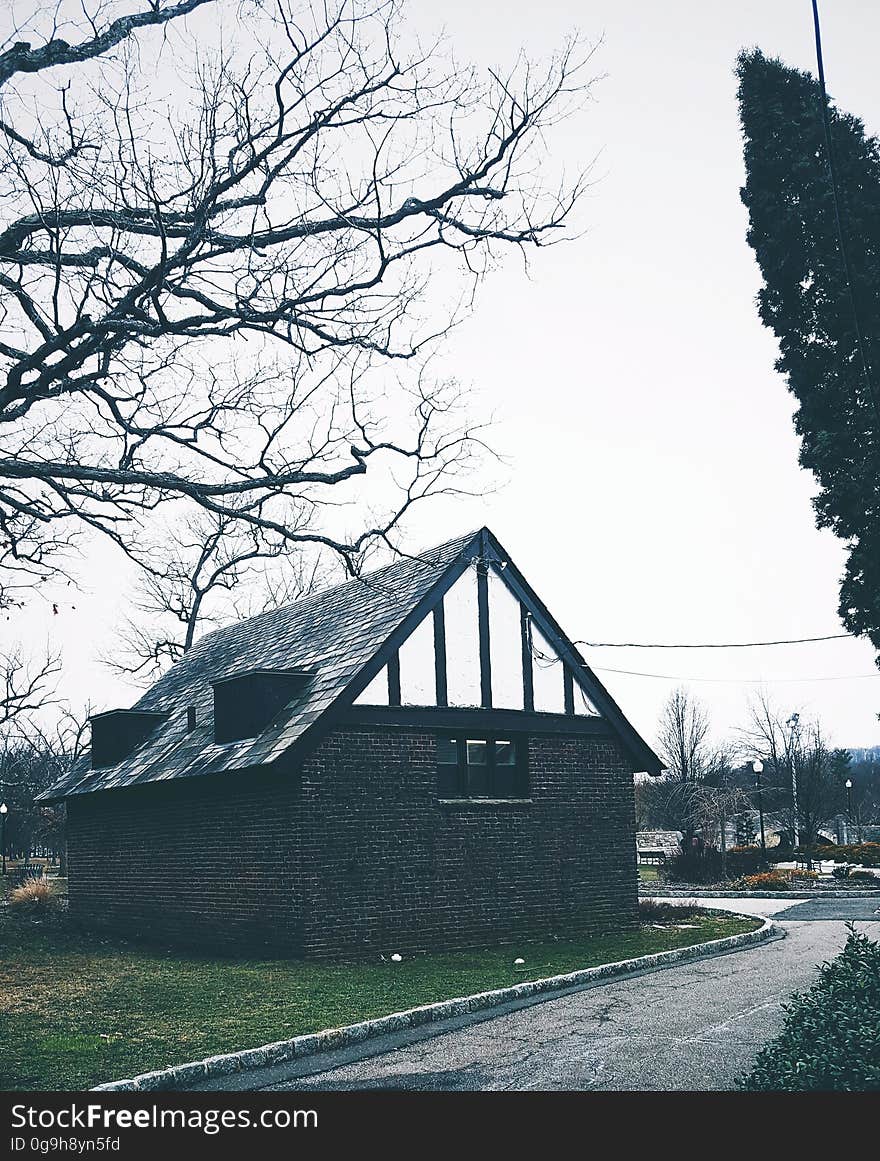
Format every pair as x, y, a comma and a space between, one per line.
344, 636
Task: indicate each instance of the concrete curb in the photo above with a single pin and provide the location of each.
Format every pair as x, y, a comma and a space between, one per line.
182, 1076
695, 892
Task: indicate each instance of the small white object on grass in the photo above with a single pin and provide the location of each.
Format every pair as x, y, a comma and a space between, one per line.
518, 962
396, 958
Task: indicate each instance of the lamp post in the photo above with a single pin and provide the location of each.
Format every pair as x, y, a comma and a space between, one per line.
757, 767
848, 785
4, 810
792, 724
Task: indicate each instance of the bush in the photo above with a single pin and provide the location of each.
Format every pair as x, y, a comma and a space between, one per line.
865, 877
36, 894
811, 876
694, 867
768, 881
650, 911
745, 861
841, 873
865, 854
829, 1041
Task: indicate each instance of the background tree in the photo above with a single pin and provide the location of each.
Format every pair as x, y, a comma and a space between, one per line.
683, 744
32, 757
827, 324
864, 771
26, 686
222, 294
794, 744
204, 576
716, 803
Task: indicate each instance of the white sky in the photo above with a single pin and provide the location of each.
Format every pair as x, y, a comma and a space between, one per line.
653, 492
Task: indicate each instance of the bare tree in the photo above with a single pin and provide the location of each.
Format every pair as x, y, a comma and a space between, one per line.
683, 744
714, 803
219, 296
25, 688
211, 572
683, 734
794, 750
32, 757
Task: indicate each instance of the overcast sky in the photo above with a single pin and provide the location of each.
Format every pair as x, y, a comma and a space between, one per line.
653, 492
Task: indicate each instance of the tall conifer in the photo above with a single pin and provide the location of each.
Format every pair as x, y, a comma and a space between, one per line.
816, 312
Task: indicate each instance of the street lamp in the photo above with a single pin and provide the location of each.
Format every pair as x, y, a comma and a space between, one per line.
792, 724
757, 767
848, 785
4, 810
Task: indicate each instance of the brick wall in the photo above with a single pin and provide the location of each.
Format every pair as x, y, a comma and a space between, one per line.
204, 861
386, 867
356, 855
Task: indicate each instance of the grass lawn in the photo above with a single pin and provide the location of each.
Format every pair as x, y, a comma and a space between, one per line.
649, 875
77, 1011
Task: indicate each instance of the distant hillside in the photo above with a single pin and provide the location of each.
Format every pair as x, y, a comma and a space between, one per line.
871, 754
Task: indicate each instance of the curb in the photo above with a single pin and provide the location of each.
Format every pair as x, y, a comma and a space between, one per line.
695, 892
182, 1076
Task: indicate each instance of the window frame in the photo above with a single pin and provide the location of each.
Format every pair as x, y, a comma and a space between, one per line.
459, 788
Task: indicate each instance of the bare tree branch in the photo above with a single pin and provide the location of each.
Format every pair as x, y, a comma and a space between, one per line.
25, 687
225, 297
205, 576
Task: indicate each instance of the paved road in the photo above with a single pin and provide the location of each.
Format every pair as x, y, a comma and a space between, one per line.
693, 1027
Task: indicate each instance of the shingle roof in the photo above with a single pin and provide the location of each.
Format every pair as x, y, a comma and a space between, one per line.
334, 632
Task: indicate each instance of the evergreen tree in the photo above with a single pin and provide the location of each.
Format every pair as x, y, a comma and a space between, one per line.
828, 325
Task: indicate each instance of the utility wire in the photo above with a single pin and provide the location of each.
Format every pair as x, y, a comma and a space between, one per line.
736, 680
710, 645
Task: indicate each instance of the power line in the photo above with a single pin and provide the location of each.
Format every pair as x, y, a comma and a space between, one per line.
736, 680
710, 645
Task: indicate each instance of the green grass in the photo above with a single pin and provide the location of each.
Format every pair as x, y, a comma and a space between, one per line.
649, 875
77, 1010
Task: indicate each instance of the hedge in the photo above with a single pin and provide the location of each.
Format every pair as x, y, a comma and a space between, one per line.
830, 1041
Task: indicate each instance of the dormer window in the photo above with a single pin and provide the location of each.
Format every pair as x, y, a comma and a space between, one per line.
246, 703
118, 733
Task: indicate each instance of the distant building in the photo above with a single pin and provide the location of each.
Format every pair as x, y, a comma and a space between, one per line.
657, 846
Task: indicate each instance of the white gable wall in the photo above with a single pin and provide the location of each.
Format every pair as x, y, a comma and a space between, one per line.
417, 674
505, 645
460, 608
376, 692
462, 641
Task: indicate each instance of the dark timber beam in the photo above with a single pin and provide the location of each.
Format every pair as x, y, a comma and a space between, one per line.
528, 678
394, 679
484, 721
440, 653
485, 654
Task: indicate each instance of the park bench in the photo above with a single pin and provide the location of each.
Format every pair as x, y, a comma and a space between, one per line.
651, 857
26, 871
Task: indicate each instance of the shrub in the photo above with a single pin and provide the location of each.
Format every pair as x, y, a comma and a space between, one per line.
865, 877
651, 911
865, 854
829, 1040
693, 867
768, 881
34, 894
841, 872
745, 861
812, 876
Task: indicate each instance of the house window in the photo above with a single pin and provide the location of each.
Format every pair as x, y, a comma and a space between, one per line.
483, 767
